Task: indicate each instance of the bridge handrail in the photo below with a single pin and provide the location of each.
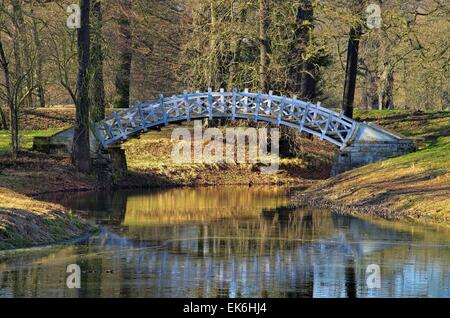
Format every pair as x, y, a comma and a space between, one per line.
312, 118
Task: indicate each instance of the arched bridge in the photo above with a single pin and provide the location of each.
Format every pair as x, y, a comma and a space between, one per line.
348, 134
306, 117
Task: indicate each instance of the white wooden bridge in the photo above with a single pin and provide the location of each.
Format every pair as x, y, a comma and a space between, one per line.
359, 143
306, 117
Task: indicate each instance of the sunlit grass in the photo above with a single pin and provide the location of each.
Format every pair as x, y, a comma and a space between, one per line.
416, 184
411, 124
26, 138
152, 154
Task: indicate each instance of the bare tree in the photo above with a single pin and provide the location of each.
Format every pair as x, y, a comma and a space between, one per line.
16, 72
81, 148
123, 77
351, 70
264, 44
97, 87
40, 90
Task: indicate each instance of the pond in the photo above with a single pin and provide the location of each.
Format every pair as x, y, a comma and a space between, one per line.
230, 242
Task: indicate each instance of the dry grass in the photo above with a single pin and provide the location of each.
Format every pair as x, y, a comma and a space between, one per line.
426, 126
151, 156
54, 117
35, 173
415, 186
25, 222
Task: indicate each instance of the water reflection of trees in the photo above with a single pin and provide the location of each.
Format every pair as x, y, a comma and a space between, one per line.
177, 206
233, 247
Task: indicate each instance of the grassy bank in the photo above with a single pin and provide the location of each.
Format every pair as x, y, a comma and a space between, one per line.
26, 138
25, 222
415, 186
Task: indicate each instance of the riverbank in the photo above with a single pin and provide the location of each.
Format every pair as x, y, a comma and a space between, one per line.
149, 161
26, 222
412, 187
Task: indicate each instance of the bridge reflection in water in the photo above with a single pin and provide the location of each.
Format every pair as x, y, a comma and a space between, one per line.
230, 242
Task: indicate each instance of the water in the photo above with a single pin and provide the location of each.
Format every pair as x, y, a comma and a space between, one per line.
229, 242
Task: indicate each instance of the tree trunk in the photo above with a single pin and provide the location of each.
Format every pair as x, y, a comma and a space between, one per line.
97, 87
22, 48
4, 124
370, 91
13, 113
213, 76
309, 81
445, 100
351, 71
14, 130
309, 70
14, 89
297, 48
445, 96
233, 65
125, 42
39, 78
388, 91
81, 150
264, 23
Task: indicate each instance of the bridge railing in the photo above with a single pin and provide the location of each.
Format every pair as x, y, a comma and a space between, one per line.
280, 110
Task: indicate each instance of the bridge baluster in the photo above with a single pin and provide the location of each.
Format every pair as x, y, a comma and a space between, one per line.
198, 103
222, 107
246, 100
210, 103
281, 110
234, 103
269, 103
304, 117
119, 123
327, 126
99, 135
291, 106
163, 109
188, 108
176, 106
142, 115
258, 105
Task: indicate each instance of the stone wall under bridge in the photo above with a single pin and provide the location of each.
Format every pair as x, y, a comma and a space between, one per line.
371, 144
364, 153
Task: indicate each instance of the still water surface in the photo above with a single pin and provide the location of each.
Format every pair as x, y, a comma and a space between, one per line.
229, 242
